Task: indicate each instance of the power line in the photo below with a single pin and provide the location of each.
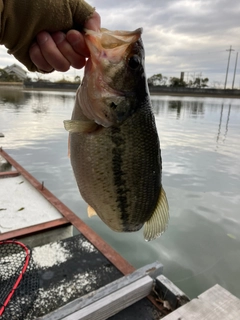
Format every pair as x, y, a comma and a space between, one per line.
235, 70
230, 50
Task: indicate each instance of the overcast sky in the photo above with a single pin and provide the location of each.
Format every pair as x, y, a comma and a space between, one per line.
178, 35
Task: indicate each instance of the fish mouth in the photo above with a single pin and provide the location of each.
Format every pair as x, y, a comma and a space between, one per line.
110, 44
109, 99
120, 36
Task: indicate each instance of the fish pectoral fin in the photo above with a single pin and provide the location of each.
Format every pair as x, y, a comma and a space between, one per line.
158, 222
80, 126
69, 149
91, 212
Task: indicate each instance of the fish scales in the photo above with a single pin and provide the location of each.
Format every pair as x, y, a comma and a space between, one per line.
114, 145
117, 171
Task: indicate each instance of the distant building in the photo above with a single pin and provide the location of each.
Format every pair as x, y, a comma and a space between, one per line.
17, 71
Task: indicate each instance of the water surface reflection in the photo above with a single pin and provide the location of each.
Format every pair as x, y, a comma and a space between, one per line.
201, 175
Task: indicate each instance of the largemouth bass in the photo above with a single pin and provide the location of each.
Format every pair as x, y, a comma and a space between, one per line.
114, 146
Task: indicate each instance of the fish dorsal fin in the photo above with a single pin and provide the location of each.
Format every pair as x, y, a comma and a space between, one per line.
158, 222
91, 212
80, 126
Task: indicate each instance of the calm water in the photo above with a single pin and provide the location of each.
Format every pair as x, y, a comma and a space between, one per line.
200, 142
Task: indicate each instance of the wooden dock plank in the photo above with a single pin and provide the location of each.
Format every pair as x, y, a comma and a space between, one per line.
117, 301
168, 291
152, 269
194, 310
223, 301
215, 303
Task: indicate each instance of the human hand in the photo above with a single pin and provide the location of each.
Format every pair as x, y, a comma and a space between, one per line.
58, 51
22, 20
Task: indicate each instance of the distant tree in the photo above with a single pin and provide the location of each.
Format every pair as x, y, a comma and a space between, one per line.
177, 82
157, 80
77, 79
28, 79
164, 81
5, 77
198, 82
217, 84
63, 80
38, 77
204, 82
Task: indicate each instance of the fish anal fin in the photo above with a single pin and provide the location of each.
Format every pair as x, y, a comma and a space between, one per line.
91, 212
80, 126
158, 222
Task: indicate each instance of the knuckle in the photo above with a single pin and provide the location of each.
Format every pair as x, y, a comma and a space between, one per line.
63, 67
78, 64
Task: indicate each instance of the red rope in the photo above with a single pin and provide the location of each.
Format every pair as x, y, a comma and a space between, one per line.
20, 275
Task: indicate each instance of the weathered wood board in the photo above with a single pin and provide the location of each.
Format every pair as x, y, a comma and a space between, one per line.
168, 291
108, 292
216, 303
117, 301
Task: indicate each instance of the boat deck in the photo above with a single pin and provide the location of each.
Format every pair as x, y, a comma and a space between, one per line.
23, 206
69, 267
82, 277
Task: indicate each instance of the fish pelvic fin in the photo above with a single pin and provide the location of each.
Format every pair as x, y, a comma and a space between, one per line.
158, 222
79, 126
91, 212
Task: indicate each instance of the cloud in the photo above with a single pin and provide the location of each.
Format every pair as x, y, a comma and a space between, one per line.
5, 59
179, 35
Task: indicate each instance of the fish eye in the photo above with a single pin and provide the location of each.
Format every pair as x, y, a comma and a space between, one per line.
134, 62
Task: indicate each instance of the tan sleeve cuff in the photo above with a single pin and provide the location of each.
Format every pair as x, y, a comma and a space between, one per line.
22, 20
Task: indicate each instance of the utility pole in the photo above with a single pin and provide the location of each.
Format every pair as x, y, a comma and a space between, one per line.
235, 71
230, 50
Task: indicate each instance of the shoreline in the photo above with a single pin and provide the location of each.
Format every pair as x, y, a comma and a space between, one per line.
199, 95
156, 91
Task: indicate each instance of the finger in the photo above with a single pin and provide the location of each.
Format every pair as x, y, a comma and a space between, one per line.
76, 40
38, 59
76, 60
51, 52
94, 23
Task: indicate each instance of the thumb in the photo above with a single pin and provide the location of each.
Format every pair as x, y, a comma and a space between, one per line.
94, 23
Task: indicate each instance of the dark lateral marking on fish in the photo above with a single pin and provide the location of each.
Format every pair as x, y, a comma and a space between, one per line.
118, 174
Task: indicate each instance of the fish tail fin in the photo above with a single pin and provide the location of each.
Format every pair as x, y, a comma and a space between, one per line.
158, 222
